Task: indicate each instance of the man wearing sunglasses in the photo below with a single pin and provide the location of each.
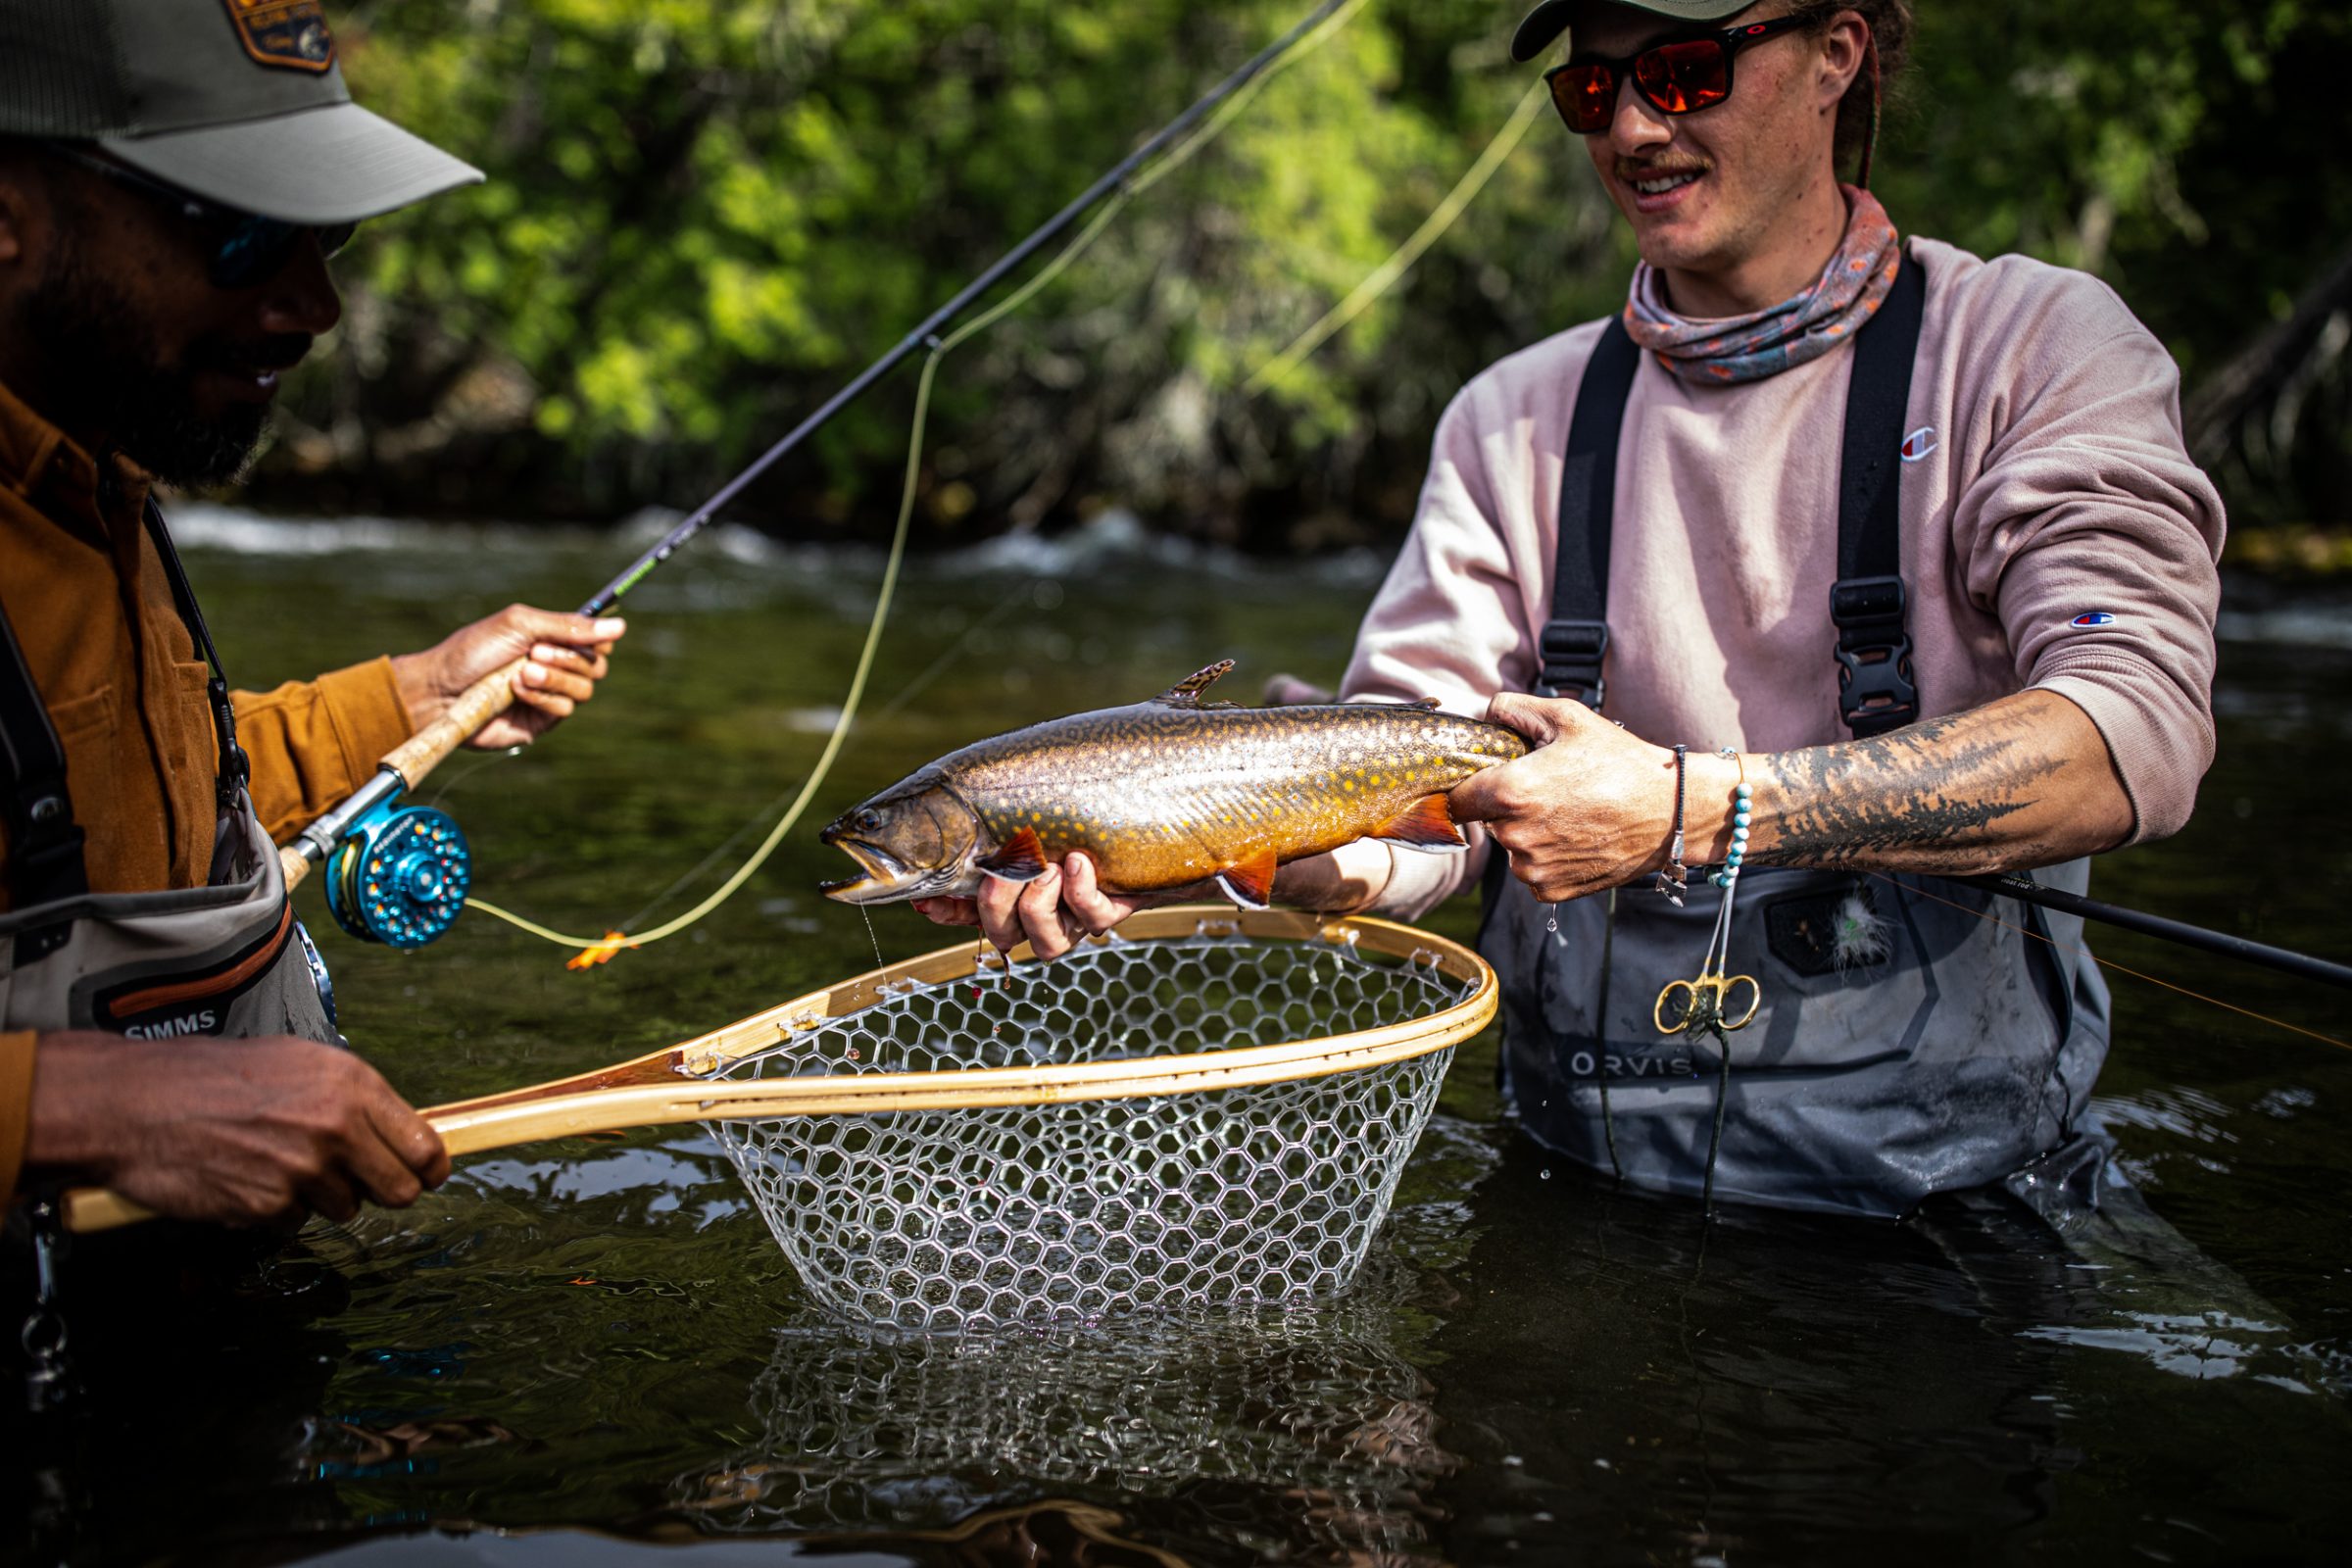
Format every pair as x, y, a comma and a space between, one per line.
173, 176
1903, 541
1849, 559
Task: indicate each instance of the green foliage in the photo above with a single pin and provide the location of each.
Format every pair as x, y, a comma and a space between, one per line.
703, 216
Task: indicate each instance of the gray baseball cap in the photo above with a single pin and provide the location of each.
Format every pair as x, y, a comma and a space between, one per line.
238, 101
1550, 19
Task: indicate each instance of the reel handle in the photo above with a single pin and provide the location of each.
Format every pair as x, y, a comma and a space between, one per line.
413, 758
476, 706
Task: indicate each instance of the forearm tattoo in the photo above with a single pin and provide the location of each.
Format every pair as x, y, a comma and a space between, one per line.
1934, 795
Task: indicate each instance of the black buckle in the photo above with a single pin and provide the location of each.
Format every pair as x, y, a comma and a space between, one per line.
1875, 688
1572, 653
45, 861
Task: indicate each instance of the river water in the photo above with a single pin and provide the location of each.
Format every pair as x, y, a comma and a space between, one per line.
592, 1352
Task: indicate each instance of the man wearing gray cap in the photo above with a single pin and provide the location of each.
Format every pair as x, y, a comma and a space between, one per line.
173, 176
1884, 560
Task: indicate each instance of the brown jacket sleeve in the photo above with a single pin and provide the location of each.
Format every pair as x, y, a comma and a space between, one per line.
315, 741
15, 1107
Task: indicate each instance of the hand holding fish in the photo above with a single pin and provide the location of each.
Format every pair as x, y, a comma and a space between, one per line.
1061, 830
1053, 913
1592, 807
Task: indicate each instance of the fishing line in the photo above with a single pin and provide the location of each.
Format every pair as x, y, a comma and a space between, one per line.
1400, 261
939, 348
2110, 963
906, 694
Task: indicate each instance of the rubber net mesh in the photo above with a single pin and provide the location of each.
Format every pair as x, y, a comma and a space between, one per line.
956, 1219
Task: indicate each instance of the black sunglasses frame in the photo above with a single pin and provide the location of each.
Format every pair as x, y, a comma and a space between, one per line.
250, 247
1730, 40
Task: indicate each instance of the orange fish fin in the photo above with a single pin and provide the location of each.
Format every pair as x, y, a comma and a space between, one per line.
1426, 824
1021, 859
1249, 883
1186, 692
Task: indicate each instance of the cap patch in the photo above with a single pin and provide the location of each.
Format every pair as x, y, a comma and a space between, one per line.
290, 34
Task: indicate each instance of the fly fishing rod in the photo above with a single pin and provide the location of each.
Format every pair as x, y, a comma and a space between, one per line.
2285, 960
398, 874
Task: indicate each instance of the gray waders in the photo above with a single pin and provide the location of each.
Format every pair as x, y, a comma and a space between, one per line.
224, 960
1906, 1045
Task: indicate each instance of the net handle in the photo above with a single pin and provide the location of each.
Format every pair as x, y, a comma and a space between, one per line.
615, 1098
706, 1053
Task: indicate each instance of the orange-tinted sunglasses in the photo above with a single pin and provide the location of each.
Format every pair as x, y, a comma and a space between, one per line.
1678, 76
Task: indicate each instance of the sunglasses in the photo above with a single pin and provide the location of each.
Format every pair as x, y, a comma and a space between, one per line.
246, 248
1680, 76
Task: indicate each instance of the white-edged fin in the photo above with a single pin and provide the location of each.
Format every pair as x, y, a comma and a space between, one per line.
1021, 859
1249, 883
1186, 692
1426, 824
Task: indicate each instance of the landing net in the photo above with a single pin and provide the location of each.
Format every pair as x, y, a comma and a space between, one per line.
1313, 1424
1199, 1111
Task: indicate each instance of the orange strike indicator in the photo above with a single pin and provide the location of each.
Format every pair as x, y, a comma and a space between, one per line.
604, 952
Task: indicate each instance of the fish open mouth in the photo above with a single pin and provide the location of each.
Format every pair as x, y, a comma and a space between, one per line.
881, 876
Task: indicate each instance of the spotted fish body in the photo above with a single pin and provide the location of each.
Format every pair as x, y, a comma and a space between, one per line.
1168, 793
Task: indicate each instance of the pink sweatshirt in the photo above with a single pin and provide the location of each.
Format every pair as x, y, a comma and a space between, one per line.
2055, 485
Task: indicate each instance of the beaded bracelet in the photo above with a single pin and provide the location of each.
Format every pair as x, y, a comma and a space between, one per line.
1737, 853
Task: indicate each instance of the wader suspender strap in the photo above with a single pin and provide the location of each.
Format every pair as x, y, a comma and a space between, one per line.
1577, 637
44, 842
1867, 602
1875, 689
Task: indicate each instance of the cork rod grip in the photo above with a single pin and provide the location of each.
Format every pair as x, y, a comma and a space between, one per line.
476, 706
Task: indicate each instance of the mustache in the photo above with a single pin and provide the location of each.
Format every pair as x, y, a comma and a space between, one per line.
275, 351
1629, 170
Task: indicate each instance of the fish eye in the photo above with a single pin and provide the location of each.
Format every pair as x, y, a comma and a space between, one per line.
867, 821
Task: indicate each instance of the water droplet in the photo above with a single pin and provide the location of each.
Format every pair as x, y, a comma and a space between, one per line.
1548, 1173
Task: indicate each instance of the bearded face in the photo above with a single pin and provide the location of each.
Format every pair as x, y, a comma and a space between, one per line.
106, 368
122, 337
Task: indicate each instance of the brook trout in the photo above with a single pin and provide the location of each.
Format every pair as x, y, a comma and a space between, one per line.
1167, 793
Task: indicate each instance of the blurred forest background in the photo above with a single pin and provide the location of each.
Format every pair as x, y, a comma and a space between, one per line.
703, 216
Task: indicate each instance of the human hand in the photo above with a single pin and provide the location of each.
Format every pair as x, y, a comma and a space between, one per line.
566, 656
1590, 807
233, 1132
1053, 913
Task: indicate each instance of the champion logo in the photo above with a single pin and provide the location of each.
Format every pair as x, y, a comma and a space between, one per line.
2092, 617
1919, 443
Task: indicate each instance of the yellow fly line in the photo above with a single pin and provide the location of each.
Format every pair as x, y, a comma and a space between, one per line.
1384, 276
1086, 236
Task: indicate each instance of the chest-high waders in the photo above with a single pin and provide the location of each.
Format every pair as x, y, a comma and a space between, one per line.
224, 960
1905, 1046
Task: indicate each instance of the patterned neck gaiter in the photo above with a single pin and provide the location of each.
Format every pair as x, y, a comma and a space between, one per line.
1749, 348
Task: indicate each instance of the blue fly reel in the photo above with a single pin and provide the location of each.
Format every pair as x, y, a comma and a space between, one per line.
400, 877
